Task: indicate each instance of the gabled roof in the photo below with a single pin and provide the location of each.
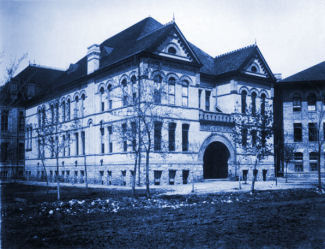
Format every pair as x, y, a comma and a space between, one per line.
314, 73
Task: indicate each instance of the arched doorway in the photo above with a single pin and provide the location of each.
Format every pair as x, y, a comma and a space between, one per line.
215, 161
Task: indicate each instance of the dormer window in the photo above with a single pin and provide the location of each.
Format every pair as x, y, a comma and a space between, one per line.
254, 68
171, 50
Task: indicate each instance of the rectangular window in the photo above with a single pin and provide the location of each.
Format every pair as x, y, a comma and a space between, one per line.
200, 94
171, 92
185, 129
171, 136
313, 166
21, 150
76, 135
134, 134
172, 174
299, 167
4, 152
157, 176
21, 121
125, 144
69, 151
4, 120
298, 156
185, 94
83, 141
103, 106
312, 132
244, 137
52, 146
64, 145
297, 132
39, 148
313, 156
157, 135
110, 141
207, 100
254, 137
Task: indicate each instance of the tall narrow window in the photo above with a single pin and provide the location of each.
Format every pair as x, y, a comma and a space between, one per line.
110, 139
254, 137
313, 157
52, 113
244, 137
56, 112
52, 146
297, 132
311, 100
76, 107
21, 151
298, 156
76, 135
125, 92
43, 116
185, 86
171, 90
21, 121
4, 120
64, 145
63, 111
185, 130
157, 89
243, 101
68, 109
312, 132
263, 101
109, 97
83, 97
83, 141
253, 96
157, 135
4, 152
39, 148
171, 136
102, 103
134, 89
39, 113
134, 132
68, 144
207, 100
296, 103
125, 144
102, 144
200, 95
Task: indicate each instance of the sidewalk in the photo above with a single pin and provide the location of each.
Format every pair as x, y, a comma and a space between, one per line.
206, 187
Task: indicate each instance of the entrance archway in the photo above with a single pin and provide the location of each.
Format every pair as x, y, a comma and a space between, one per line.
215, 161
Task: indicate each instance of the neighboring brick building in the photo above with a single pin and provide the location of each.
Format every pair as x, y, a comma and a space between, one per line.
202, 94
300, 105
13, 97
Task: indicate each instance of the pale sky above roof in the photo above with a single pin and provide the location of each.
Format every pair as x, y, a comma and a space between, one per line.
55, 33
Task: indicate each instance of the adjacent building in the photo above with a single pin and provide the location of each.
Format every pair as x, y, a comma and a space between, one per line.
88, 106
299, 115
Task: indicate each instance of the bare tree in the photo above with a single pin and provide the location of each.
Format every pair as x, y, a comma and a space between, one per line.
288, 156
258, 125
48, 132
144, 117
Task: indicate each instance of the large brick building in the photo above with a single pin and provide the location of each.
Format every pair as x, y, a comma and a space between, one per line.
300, 105
201, 94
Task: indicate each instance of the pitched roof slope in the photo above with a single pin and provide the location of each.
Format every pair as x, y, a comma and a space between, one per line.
232, 61
314, 73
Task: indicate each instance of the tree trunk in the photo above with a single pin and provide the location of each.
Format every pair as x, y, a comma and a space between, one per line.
139, 165
86, 173
57, 178
47, 180
318, 167
147, 173
286, 172
254, 176
134, 174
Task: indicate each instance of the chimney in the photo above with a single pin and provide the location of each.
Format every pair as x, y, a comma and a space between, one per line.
93, 56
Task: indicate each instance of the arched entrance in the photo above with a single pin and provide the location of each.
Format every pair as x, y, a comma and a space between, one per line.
215, 161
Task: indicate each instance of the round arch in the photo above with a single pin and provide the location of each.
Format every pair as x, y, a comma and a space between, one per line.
218, 138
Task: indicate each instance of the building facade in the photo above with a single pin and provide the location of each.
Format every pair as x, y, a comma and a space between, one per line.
300, 101
89, 107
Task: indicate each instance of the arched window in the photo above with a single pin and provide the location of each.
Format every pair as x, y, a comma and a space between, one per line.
157, 89
63, 110
83, 97
171, 50
171, 90
296, 103
52, 113
56, 112
68, 109
125, 92
263, 97
253, 96
109, 97
243, 101
311, 99
76, 109
102, 104
185, 93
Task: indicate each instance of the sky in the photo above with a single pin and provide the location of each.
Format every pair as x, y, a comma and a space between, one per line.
55, 33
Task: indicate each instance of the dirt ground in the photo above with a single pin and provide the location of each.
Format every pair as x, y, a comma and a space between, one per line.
113, 219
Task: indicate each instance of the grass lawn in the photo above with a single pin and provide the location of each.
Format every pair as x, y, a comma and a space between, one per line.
113, 219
